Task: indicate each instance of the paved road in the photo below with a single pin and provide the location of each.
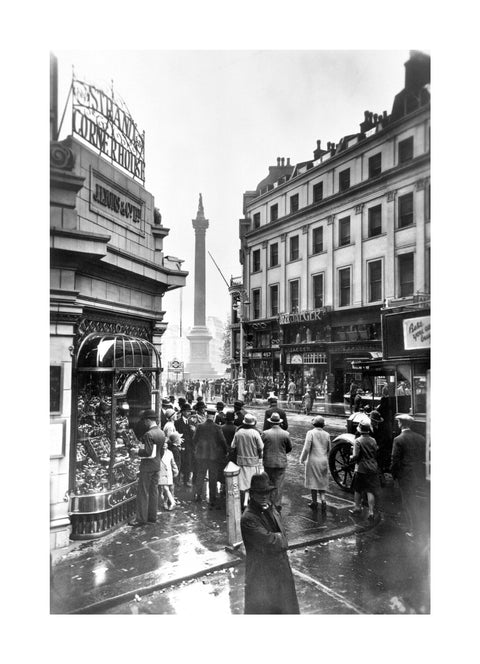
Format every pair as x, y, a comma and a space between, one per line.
379, 572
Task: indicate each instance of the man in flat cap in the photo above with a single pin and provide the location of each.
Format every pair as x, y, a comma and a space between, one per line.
269, 584
408, 467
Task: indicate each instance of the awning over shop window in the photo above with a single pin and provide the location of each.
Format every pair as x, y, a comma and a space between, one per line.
116, 351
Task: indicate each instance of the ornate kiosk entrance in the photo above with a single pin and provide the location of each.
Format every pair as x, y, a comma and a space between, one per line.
116, 376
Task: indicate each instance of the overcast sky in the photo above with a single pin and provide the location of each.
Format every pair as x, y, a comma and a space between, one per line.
215, 120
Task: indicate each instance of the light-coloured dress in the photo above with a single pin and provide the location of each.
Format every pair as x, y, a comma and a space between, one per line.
315, 453
249, 446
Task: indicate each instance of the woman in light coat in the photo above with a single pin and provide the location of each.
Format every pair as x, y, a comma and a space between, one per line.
315, 456
249, 447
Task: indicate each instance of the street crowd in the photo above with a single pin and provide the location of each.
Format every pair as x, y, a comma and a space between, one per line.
194, 441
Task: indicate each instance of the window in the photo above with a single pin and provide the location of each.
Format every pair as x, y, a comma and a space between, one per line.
274, 254
256, 260
294, 251
256, 302
55, 389
405, 275
344, 231
405, 210
375, 221
375, 281
274, 300
294, 296
375, 165
317, 192
405, 150
274, 212
344, 286
317, 291
317, 240
344, 180
256, 220
293, 203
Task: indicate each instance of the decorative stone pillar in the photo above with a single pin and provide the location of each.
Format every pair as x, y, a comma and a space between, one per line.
199, 366
389, 267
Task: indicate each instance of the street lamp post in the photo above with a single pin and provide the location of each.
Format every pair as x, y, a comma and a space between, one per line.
240, 308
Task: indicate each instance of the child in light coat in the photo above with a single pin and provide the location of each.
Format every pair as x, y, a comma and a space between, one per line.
168, 470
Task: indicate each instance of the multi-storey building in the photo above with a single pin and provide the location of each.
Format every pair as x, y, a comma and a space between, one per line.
326, 242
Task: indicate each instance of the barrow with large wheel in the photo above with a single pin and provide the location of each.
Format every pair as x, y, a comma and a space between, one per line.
339, 462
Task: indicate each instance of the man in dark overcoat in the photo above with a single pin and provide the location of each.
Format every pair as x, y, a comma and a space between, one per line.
211, 452
238, 413
277, 445
269, 584
274, 408
408, 468
186, 429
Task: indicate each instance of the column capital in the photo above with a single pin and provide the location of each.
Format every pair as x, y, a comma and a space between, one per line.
264, 244
283, 237
330, 219
305, 229
422, 183
359, 208
391, 195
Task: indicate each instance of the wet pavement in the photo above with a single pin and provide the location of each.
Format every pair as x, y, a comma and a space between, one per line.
163, 567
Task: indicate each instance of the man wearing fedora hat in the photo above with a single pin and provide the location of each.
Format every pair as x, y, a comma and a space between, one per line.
408, 468
150, 452
238, 413
185, 428
269, 584
277, 445
274, 408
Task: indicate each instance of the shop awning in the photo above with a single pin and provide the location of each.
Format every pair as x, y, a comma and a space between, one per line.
116, 351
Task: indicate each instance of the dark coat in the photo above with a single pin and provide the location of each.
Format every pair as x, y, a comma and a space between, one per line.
408, 458
269, 584
209, 442
277, 445
154, 436
281, 412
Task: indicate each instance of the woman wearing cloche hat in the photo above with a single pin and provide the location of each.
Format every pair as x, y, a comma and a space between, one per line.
365, 478
249, 448
315, 456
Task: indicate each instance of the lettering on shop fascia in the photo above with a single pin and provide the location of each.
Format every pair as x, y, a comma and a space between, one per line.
113, 202
316, 314
106, 124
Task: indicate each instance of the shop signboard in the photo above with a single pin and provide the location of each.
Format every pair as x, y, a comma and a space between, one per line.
302, 316
105, 123
110, 200
416, 332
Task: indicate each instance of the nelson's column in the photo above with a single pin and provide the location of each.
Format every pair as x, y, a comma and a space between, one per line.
199, 337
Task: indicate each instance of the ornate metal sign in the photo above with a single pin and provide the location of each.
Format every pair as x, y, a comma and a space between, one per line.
106, 124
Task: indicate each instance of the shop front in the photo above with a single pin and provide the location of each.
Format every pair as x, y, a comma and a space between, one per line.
116, 376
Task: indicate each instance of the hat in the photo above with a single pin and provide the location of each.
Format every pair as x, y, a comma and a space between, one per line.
260, 483
238, 404
249, 420
375, 416
181, 400
363, 427
275, 419
404, 417
272, 399
169, 412
149, 414
211, 410
165, 401
318, 421
185, 406
199, 398
220, 405
229, 416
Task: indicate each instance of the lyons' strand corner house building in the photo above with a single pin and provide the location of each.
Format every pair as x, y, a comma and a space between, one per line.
329, 243
108, 273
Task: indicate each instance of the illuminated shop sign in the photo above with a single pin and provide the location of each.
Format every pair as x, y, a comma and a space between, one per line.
107, 125
416, 332
302, 316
